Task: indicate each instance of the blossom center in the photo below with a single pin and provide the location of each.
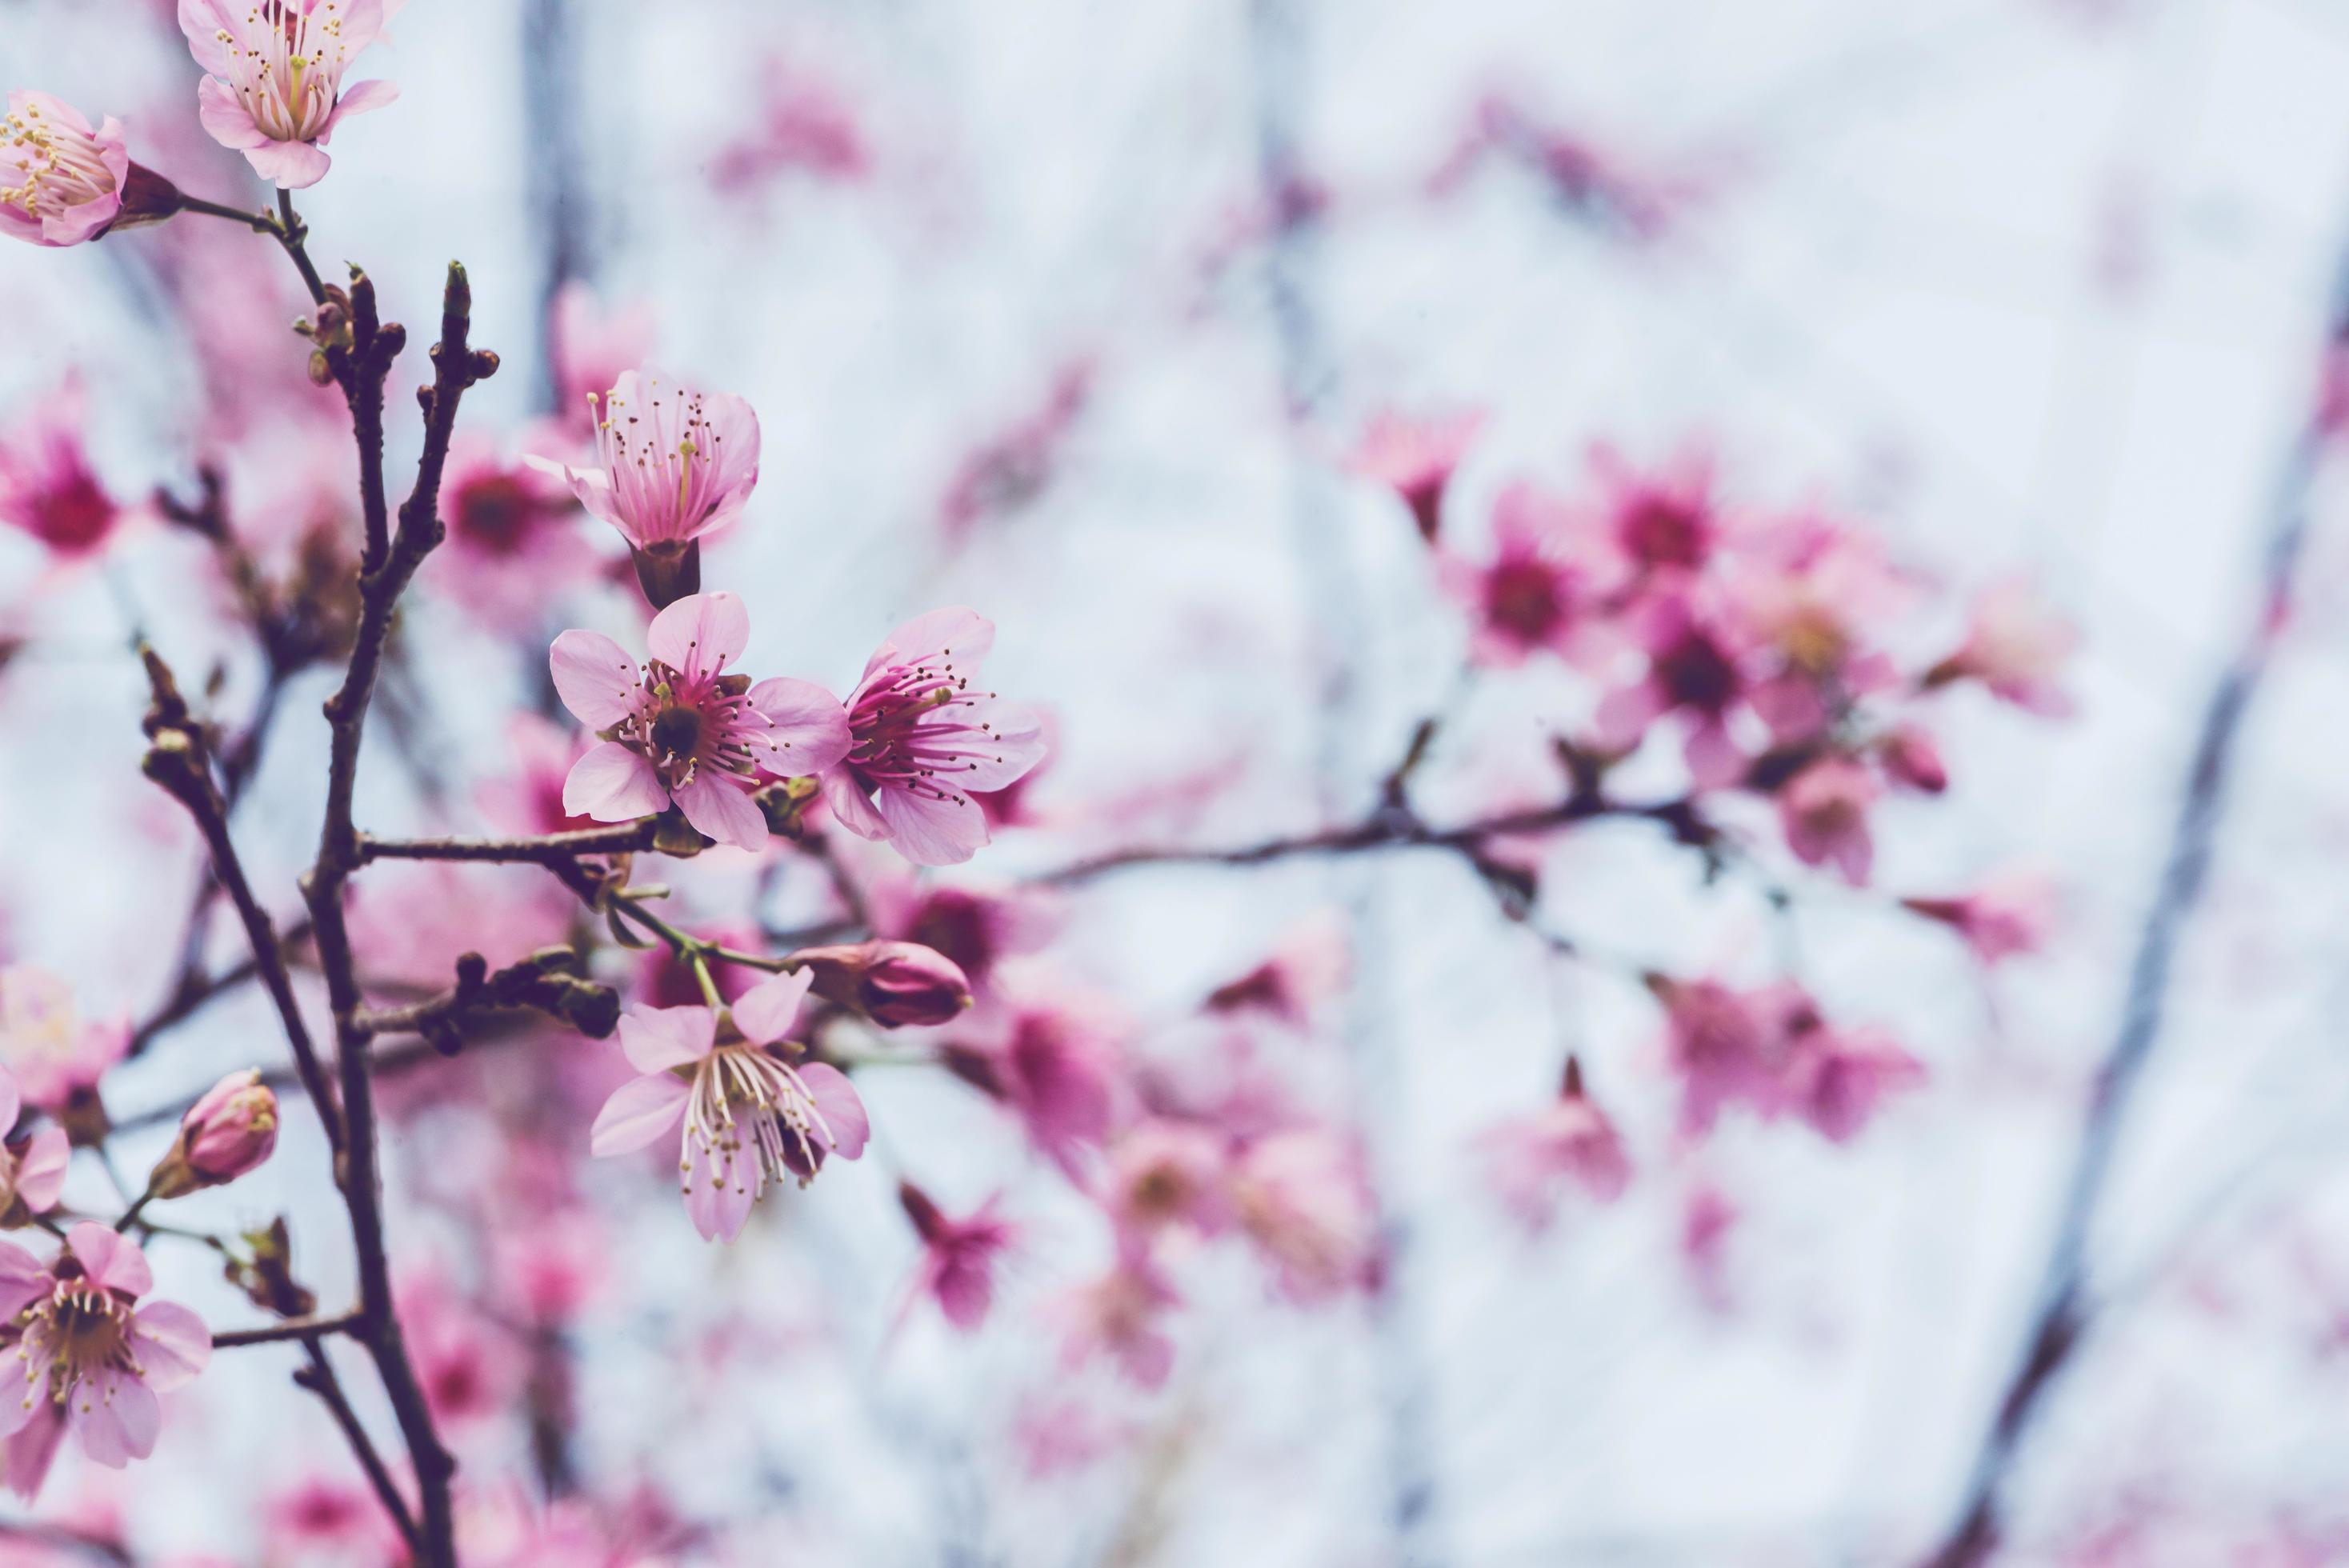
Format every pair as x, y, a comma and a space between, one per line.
741, 1086
59, 168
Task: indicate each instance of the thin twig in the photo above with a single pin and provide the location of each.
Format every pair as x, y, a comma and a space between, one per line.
627, 838
312, 1327
319, 1378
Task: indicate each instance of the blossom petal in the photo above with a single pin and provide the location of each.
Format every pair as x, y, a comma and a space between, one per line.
700, 634
659, 1039
116, 1417
638, 1114
174, 1345
807, 729
292, 165
110, 1260
1015, 745
851, 808
34, 1449
959, 633
929, 831
613, 784
23, 1278
204, 22
591, 486
359, 100
595, 676
225, 118
765, 1012
717, 805
842, 1111
719, 1192
41, 1169
10, 1099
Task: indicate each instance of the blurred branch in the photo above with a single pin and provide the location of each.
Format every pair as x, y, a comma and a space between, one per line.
627, 838
2064, 1316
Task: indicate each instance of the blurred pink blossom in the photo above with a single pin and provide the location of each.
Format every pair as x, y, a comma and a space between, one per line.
958, 1256
1570, 1139
1301, 1197
1824, 810
2009, 916
47, 487
56, 1059
1416, 458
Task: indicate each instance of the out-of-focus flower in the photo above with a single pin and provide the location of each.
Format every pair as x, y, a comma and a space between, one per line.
681, 731
274, 76
1533, 594
591, 349
1824, 809
977, 929
228, 1132
1910, 758
1415, 459
94, 1360
1305, 972
1730, 1046
321, 1514
958, 1256
510, 544
61, 182
1692, 668
2017, 647
921, 739
2006, 916
33, 1167
1660, 521
665, 980
467, 1367
1301, 1197
47, 485
1120, 1314
57, 1058
805, 124
529, 800
892, 983
673, 464
1165, 1172
1054, 1064
1011, 468
1840, 1075
1568, 1140
724, 1076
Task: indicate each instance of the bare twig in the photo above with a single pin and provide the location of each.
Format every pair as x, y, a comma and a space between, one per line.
627, 838
292, 1329
319, 1378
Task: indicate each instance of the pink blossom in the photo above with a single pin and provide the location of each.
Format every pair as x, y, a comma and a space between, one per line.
321, 1514
32, 1168
1693, 670
1416, 458
1570, 1139
673, 464
2017, 647
2005, 917
528, 801
1165, 1172
804, 123
1054, 1064
467, 1368
665, 980
273, 88
974, 928
1838, 1077
1011, 468
228, 1132
65, 180
511, 543
680, 730
958, 1256
921, 739
1303, 973
1730, 1046
1119, 1314
592, 350
94, 1360
1534, 594
1912, 758
1662, 522
56, 1059
1301, 1197
893, 983
703, 1066
1824, 809
47, 487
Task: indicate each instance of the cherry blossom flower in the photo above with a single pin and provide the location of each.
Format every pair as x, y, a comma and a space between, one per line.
893, 983
1692, 669
1729, 1045
47, 487
1053, 1062
2017, 647
1120, 1315
57, 1060
1301, 1197
229, 1131
2007, 916
1912, 758
1840, 1075
729, 1078
680, 730
1662, 522
32, 1168
921, 740
1824, 809
61, 182
673, 464
1568, 1140
510, 542
1303, 973
322, 1514
1415, 459
975, 928
530, 799
94, 1360
958, 1256
469, 1370
1165, 1172
1534, 594
273, 88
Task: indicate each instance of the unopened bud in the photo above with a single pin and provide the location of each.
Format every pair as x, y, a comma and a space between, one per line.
891, 983
232, 1129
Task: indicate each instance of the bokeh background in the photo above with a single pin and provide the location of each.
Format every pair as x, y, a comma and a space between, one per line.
2035, 284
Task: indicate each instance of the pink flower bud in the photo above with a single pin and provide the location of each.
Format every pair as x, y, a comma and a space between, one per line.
232, 1129
891, 983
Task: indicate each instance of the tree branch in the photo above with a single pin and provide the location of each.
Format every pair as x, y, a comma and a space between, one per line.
627, 838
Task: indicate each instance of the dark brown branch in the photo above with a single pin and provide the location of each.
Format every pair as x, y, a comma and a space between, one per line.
291, 1329
176, 759
319, 1378
456, 366
627, 838
549, 982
